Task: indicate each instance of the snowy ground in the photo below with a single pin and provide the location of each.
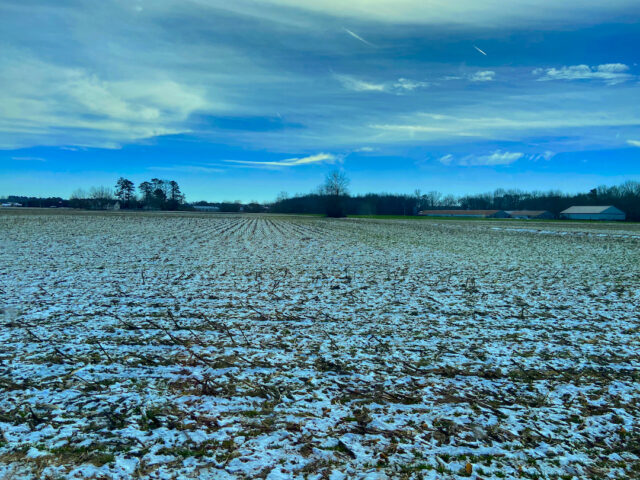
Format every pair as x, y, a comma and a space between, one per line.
213, 346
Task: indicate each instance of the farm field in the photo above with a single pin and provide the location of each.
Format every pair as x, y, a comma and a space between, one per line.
221, 346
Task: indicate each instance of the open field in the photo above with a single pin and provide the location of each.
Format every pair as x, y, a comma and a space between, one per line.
221, 346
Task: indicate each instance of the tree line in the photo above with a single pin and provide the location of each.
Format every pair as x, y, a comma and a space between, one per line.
338, 202
156, 194
233, 207
332, 198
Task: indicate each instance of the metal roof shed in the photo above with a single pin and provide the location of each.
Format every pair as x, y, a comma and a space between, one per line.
530, 214
606, 212
465, 213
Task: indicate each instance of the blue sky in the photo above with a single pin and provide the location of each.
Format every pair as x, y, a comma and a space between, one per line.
241, 100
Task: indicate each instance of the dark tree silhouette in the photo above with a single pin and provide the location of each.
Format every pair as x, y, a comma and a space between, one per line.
626, 197
125, 191
146, 189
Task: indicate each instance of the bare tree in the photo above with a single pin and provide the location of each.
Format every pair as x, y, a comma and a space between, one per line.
336, 183
433, 198
78, 199
282, 196
100, 197
335, 191
419, 200
79, 194
449, 201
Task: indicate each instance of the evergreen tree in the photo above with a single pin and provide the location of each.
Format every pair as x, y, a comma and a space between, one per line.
125, 190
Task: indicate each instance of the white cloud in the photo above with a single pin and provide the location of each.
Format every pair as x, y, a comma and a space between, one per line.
446, 159
290, 162
610, 73
157, 76
400, 86
489, 13
76, 107
498, 157
483, 76
634, 143
352, 83
409, 85
547, 155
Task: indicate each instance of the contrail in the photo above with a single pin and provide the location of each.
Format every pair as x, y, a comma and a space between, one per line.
358, 37
480, 50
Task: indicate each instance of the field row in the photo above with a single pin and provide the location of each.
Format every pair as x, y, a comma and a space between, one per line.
299, 347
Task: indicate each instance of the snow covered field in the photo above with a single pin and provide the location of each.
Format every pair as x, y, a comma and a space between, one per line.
216, 346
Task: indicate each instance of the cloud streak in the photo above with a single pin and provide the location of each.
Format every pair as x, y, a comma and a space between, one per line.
358, 37
482, 52
318, 158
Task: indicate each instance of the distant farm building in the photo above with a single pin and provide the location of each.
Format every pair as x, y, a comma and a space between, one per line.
531, 214
607, 212
11, 204
465, 213
206, 208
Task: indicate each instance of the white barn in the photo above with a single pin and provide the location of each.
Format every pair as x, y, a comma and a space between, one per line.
206, 208
607, 212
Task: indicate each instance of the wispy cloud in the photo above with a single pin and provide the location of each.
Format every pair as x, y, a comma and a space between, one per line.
610, 73
483, 76
492, 14
498, 157
290, 162
398, 87
358, 37
547, 155
634, 143
151, 81
61, 105
29, 159
409, 85
446, 159
357, 85
509, 119
365, 149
